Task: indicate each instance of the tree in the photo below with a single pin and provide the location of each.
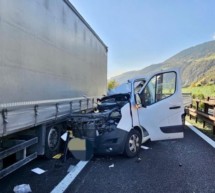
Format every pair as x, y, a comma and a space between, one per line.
112, 84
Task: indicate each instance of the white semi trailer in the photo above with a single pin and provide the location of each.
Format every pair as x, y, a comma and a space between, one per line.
52, 65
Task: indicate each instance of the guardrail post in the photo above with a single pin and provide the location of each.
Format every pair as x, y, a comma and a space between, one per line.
197, 108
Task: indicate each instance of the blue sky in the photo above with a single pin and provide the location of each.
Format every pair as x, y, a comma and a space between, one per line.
139, 33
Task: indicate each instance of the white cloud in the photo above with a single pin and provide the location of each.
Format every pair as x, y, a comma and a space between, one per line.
213, 36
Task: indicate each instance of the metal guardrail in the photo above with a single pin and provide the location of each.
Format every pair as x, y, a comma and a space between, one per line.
207, 114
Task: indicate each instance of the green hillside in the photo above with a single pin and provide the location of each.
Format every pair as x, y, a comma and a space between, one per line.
200, 91
197, 65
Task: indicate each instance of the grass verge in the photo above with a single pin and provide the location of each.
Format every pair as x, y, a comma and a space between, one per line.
207, 130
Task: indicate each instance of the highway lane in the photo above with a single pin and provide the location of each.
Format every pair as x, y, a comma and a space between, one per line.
185, 165
179, 166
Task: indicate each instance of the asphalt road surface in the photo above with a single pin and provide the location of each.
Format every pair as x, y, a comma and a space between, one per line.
186, 165
55, 171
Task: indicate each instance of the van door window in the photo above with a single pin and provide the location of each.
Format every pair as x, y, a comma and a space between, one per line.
148, 95
138, 90
158, 88
138, 86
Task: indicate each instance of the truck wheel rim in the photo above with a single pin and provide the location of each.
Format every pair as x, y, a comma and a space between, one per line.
134, 143
52, 138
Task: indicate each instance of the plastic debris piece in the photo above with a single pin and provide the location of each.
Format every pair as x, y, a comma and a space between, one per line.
23, 188
144, 147
111, 166
64, 136
71, 167
57, 156
138, 159
38, 171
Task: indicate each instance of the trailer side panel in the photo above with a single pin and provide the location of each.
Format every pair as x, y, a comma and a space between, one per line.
48, 52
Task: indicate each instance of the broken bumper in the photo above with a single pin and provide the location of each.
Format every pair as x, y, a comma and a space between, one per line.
98, 132
111, 142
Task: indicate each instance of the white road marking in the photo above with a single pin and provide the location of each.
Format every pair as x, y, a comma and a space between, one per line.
68, 179
202, 135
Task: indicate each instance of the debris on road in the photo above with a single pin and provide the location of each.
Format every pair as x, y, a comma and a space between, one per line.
111, 166
38, 171
180, 164
57, 156
23, 188
138, 160
144, 147
64, 136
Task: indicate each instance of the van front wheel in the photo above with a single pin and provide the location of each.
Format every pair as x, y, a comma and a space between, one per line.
133, 142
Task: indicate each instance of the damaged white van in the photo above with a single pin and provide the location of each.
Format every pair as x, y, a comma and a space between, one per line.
144, 108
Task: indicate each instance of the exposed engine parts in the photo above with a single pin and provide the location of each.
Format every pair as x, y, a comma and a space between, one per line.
105, 119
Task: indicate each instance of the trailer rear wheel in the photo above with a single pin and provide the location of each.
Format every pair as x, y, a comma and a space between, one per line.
52, 144
133, 142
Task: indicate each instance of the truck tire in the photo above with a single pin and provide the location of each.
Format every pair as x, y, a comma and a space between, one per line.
52, 143
133, 142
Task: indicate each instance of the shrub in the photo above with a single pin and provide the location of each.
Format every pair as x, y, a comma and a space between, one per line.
201, 97
112, 84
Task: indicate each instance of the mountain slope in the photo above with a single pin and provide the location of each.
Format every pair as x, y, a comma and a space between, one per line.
196, 63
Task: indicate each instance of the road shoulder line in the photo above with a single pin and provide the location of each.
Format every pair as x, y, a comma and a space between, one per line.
69, 178
202, 135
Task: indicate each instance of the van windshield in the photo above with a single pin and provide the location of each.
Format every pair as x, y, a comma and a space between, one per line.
121, 89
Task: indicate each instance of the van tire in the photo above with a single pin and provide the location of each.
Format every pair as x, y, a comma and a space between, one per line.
133, 143
52, 143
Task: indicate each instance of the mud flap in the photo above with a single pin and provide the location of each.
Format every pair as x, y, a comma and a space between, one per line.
81, 149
